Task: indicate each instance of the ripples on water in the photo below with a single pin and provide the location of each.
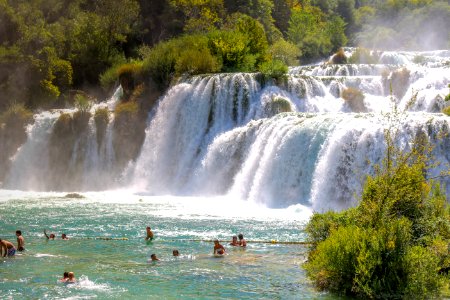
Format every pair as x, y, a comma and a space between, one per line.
118, 269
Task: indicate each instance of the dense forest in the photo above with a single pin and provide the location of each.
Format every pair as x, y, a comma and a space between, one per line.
51, 50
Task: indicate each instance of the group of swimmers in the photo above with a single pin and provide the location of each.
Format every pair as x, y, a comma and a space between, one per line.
220, 250
68, 277
7, 248
52, 236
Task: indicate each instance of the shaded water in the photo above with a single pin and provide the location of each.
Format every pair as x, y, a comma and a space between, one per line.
118, 269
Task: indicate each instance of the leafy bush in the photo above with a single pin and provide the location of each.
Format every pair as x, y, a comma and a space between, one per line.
355, 99
363, 56
129, 108
101, 119
286, 52
397, 82
339, 57
188, 54
392, 244
83, 103
275, 69
446, 110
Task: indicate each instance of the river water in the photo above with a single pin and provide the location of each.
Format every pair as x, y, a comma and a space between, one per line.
109, 256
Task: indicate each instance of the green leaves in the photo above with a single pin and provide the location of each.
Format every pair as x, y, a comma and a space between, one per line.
394, 242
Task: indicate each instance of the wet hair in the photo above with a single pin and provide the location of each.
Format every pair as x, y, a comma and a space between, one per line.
0, 240
175, 252
63, 235
234, 237
71, 274
216, 241
153, 255
66, 275
18, 232
240, 236
52, 235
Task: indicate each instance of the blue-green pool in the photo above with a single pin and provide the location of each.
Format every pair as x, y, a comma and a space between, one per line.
117, 269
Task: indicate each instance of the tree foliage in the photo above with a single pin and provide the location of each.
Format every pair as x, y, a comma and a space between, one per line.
393, 244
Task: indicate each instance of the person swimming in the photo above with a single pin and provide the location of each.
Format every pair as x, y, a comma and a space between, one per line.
64, 236
65, 277
71, 278
51, 237
234, 242
175, 252
153, 257
218, 248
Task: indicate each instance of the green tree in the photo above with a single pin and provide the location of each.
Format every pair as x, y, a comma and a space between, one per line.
392, 244
201, 16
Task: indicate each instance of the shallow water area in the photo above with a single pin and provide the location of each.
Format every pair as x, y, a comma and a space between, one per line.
109, 256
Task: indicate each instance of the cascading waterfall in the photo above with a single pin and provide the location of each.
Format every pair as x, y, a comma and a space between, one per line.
319, 157
88, 165
298, 140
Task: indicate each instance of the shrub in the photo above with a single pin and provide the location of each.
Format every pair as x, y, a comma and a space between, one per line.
286, 52
83, 103
277, 105
339, 57
129, 108
446, 110
393, 243
363, 56
275, 69
355, 99
101, 119
397, 83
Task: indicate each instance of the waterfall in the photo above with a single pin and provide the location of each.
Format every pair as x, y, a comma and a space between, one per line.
310, 138
317, 154
46, 163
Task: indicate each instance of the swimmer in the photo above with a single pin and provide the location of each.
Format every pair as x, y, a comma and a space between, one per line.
242, 242
51, 237
8, 247
20, 241
71, 278
218, 248
234, 242
175, 252
64, 236
153, 257
149, 234
65, 277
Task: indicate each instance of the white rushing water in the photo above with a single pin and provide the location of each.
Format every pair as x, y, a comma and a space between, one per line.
294, 142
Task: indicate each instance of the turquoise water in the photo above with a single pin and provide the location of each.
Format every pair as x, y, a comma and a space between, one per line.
117, 269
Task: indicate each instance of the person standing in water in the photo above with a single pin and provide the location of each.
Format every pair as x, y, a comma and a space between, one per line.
149, 234
20, 241
242, 242
218, 248
7, 247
